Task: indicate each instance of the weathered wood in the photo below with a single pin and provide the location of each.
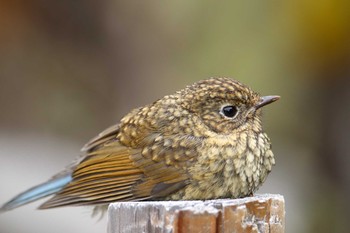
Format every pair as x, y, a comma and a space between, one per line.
258, 214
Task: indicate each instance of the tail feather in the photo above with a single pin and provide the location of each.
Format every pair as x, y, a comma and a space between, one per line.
37, 192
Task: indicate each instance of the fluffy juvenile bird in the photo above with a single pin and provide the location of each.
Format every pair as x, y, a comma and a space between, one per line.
203, 142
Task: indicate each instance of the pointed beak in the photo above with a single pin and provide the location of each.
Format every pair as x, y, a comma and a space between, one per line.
265, 100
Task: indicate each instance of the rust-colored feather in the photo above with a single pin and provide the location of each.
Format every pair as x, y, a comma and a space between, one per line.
103, 175
114, 172
106, 135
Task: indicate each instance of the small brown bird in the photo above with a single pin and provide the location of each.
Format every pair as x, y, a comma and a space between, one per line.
203, 142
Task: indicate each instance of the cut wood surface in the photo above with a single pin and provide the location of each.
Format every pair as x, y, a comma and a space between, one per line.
258, 214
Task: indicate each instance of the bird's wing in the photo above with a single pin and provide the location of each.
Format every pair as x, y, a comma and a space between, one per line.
113, 172
104, 176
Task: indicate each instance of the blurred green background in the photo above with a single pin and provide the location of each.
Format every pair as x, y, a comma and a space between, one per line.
69, 69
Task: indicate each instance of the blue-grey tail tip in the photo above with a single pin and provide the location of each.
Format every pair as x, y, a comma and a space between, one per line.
7, 206
46, 189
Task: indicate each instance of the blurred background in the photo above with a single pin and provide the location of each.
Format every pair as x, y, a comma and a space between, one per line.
69, 69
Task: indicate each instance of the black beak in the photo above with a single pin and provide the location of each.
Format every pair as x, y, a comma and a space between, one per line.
265, 100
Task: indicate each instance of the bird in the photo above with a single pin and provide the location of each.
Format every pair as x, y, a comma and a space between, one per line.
203, 142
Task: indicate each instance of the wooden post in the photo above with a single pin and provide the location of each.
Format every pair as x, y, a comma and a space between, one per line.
258, 214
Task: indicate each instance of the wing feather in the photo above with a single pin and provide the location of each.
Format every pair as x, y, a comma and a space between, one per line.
102, 174
111, 172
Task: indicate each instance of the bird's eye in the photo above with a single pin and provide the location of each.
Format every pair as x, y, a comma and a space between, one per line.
229, 111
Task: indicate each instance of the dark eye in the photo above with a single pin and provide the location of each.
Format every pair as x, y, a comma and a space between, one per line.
229, 111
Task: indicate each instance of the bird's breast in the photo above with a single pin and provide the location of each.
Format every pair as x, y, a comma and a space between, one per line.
229, 166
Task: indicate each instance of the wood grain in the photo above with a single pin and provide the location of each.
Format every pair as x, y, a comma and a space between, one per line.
258, 214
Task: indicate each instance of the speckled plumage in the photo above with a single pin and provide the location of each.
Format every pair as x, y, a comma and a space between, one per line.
179, 147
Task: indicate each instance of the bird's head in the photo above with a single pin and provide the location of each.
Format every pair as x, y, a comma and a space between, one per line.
225, 105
